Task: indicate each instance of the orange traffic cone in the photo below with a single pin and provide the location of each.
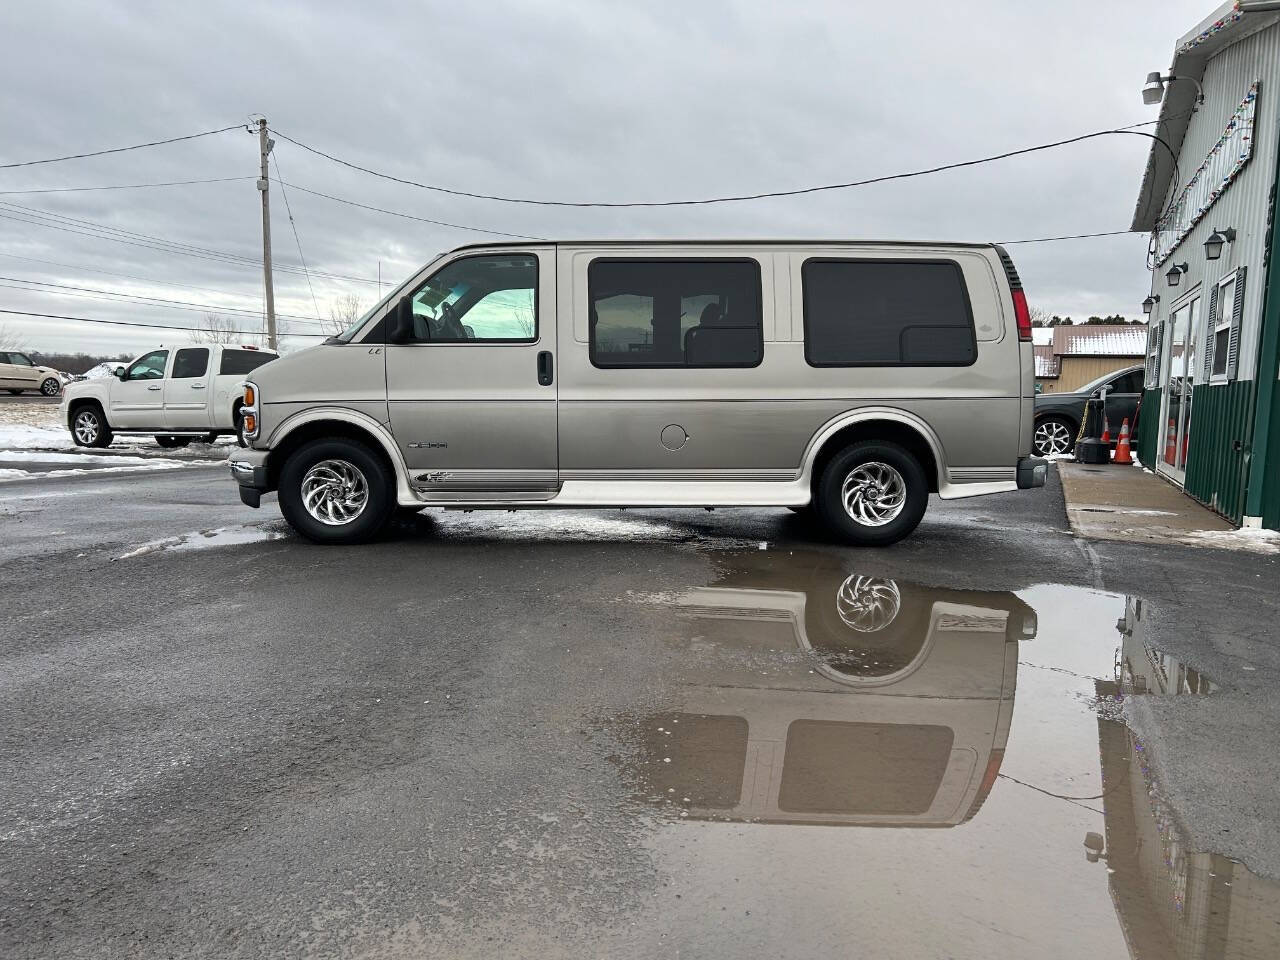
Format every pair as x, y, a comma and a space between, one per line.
1123, 455
1106, 429
1171, 443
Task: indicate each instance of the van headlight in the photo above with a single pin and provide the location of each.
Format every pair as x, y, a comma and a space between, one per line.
249, 411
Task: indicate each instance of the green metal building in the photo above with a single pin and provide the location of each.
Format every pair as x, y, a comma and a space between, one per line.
1210, 416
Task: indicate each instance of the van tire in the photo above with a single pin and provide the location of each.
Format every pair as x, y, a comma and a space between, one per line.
239, 421
887, 469
369, 469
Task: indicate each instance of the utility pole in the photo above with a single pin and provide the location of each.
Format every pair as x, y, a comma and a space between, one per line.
265, 144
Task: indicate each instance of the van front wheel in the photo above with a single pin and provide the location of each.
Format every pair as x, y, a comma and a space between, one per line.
336, 491
873, 493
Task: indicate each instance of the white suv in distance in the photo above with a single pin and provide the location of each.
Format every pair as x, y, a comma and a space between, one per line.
177, 394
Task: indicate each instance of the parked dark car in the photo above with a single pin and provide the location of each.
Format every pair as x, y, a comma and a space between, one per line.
1058, 415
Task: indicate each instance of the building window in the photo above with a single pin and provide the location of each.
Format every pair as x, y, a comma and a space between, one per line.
887, 313
1222, 337
675, 313
1155, 335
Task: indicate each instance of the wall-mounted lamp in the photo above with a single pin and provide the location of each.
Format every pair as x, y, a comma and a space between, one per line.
1213, 246
1174, 276
1153, 89
1149, 304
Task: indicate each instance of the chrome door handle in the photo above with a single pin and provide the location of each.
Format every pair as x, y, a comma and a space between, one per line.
153, 388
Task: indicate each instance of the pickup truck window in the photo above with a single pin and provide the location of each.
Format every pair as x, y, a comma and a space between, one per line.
189, 363
148, 367
237, 363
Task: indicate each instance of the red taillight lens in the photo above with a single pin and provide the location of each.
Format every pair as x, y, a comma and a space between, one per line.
989, 777
1022, 314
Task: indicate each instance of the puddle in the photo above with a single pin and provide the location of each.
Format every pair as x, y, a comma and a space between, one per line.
977, 731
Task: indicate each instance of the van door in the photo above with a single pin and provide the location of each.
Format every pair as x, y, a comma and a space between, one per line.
186, 390
137, 401
472, 394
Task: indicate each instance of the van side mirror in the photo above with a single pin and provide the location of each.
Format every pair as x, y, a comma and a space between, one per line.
119, 373
400, 328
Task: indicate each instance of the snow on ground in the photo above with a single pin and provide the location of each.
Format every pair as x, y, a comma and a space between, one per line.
1252, 539
35, 445
207, 539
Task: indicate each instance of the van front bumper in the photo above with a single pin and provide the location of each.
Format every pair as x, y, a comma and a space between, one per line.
249, 467
1032, 472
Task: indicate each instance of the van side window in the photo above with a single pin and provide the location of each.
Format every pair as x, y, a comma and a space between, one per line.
887, 313
491, 298
675, 313
236, 363
190, 362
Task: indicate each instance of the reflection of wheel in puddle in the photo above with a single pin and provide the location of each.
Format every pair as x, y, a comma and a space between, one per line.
868, 604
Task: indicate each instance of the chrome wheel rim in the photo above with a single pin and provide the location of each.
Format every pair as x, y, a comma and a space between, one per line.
49, 388
335, 492
86, 427
868, 604
873, 494
1052, 436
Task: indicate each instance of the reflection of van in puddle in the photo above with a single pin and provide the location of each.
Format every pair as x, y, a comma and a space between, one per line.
844, 700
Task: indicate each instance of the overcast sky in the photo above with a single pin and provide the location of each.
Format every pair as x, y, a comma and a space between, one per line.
591, 100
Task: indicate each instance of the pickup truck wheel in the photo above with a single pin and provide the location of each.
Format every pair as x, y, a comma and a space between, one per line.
51, 387
240, 430
89, 428
873, 493
170, 443
336, 491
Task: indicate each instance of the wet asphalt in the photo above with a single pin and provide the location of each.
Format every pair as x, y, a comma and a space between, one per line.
466, 739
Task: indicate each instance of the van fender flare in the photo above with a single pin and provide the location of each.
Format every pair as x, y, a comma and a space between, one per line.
368, 424
862, 415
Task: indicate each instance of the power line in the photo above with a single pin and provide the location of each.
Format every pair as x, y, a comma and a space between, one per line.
136, 323
141, 299
407, 216
160, 244
294, 225
136, 146
1073, 236
131, 276
735, 198
124, 186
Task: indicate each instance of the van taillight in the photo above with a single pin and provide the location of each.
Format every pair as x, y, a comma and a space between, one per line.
1022, 314
989, 777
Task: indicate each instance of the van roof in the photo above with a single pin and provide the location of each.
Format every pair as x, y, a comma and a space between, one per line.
726, 241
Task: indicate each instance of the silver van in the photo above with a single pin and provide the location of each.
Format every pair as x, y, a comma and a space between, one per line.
851, 379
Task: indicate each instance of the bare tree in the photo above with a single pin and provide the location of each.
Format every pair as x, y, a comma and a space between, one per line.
523, 316
215, 328
1039, 316
10, 340
343, 312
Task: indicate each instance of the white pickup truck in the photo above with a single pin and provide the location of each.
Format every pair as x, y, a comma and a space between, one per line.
178, 394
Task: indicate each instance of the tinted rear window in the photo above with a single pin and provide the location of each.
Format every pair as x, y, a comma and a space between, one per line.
190, 362
675, 313
240, 362
870, 768
887, 313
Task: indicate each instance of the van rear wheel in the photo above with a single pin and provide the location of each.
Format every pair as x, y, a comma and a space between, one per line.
336, 491
873, 493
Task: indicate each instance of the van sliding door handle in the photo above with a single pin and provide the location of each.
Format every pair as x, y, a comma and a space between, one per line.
545, 369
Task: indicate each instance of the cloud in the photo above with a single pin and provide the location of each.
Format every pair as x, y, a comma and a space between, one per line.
599, 101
